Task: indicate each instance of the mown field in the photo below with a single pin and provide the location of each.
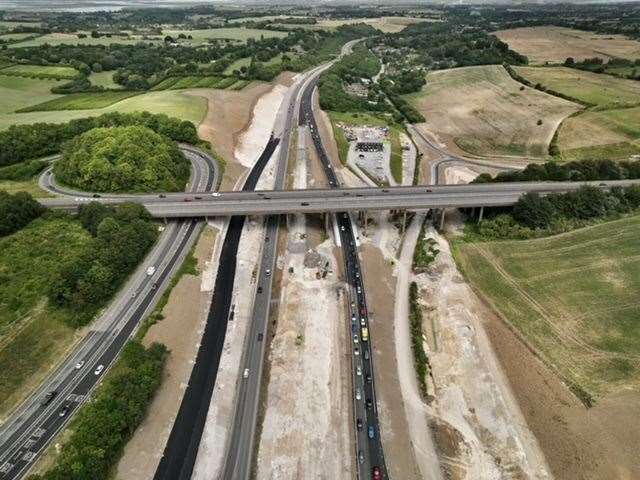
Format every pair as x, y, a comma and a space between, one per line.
589, 87
33, 334
555, 44
607, 130
19, 92
39, 71
80, 101
574, 297
179, 83
233, 33
484, 112
104, 79
173, 103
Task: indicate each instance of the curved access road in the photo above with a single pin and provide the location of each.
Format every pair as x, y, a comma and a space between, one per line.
34, 424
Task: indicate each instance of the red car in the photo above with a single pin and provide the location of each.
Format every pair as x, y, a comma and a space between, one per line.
376, 474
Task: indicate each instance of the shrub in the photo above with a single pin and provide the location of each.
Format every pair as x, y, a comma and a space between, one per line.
16, 211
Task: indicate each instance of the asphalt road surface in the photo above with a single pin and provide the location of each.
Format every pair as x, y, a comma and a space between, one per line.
369, 453
34, 424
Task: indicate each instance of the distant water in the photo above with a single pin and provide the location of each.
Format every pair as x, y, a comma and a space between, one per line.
91, 5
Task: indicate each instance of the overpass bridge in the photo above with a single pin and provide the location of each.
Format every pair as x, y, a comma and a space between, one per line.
268, 202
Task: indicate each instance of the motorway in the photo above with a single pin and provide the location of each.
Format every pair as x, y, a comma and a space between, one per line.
33, 426
203, 204
368, 448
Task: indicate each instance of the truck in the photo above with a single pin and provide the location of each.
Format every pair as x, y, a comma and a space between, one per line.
364, 334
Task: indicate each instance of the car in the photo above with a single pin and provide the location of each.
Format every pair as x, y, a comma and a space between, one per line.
96, 195
344, 215
368, 379
359, 289
342, 228
363, 311
353, 318
376, 474
245, 374
358, 394
358, 370
363, 322
215, 194
266, 197
355, 339
357, 274
151, 270
259, 289
162, 195
48, 397
361, 456
63, 411
198, 198
98, 370
371, 431
260, 337
428, 190
266, 239
366, 354
384, 190
359, 423
80, 364
369, 403
154, 286
133, 294
187, 200
304, 204
356, 351
354, 328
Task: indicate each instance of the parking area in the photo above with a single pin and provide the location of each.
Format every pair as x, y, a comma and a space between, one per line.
369, 151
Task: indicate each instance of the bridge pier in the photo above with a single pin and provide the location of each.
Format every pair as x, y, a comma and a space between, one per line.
442, 219
480, 214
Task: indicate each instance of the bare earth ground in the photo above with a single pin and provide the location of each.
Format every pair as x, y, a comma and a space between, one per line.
477, 425
229, 114
180, 331
555, 44
482, 111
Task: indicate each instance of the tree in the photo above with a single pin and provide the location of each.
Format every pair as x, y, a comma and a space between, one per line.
533, 211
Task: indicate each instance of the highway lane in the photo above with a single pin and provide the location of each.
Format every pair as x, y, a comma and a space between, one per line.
32, 426
324, 200
240, 446
368, 449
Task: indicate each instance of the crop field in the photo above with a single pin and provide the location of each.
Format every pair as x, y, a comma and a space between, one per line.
613, 134
173, 103
179, 83
32, 333
385, 24
18, 92
80, 101
555, 44
39, 71
15, 36
233, 33
484, 112
589, 87
572, 296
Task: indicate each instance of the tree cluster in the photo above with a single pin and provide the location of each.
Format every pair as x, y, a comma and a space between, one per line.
103, 426
122, 236
576, 171
25, 142
16, 211
122, 159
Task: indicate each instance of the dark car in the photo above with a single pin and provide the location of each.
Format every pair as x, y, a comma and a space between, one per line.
368, 378
96, 195
305, 204
371, 431
359, 424
187, 200
162, 195
63, 411
198, 198
48, 397
369, 403
260, 337
259, 289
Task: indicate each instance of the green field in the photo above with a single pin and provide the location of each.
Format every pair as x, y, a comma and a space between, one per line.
179, 83
81, 101
104, 79
39, 71
237, 65
33, 334
29, 186
574, 297
15, 36
19, 92
173, 103
233, 33
589, 87
72, 39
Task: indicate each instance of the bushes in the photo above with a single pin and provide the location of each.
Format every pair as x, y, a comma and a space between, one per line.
122, 237
103, 426
421, 362
24, 142
16, 211
22, 171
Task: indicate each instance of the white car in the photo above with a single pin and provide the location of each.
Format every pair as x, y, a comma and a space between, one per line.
246, 373
98, 370
151, 270
355, 339
356, 351
363, 322
80, 364
215, 194
358, 370
358, 394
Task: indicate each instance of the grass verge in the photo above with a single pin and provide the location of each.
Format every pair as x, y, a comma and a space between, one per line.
420, 360
81, 101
